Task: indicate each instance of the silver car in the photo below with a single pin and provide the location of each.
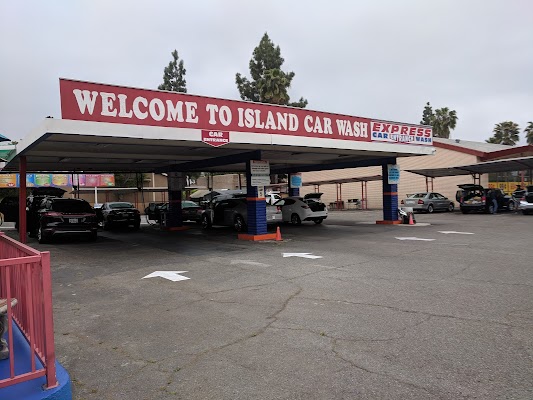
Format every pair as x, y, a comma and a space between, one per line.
526, 201
428, 202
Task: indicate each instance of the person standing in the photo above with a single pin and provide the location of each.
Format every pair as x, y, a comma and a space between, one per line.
494, 199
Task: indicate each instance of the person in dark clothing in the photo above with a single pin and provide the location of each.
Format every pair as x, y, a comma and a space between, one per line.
493, 197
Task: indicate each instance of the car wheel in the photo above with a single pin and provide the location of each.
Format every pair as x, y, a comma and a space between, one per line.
511, 206
239, 223
295, 219
451, 207
41, 236
430, 208
525, 212
107, 225
206, 223
318, 221
465, 211
93, 236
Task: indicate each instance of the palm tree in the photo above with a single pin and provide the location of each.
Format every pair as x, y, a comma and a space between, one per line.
529, 133
444, 120
505, 133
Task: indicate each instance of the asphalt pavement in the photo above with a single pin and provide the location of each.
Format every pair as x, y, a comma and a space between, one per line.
354, 310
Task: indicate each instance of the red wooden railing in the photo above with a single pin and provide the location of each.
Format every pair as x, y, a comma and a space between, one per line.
25, 276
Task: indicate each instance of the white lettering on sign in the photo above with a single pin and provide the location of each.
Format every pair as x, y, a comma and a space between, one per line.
85, 100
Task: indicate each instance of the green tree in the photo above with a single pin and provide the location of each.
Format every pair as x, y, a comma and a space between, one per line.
174, 76
529, 133
268, 84
444, 120
505, 133
427, 115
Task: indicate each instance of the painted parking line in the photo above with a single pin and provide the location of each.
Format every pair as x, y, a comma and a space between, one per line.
415, 238
455, 232
303, 255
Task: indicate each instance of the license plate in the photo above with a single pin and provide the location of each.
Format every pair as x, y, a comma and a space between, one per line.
409, 202
73, 220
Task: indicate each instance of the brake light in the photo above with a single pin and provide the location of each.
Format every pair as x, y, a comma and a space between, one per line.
278, 208
461, 200
52, 214
484, 199
420, 201
305, 206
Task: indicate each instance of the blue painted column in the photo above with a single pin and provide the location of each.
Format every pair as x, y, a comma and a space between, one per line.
390, 197
257, 223
293, 191
176, 182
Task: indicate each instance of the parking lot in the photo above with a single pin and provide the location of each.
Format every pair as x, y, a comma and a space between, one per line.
439, 310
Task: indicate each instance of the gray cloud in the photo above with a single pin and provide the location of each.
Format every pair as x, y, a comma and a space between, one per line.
381, 59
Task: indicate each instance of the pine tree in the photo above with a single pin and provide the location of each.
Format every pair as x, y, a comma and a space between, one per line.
174, 76
427, 115
268, 84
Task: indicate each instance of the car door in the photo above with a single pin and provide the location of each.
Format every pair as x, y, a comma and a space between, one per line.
441, 201
287, 209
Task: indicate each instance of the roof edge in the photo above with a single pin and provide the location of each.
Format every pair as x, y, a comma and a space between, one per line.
461, 149
511, 151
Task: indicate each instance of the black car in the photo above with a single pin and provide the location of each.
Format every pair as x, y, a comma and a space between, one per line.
9, 207
56, 216
477, 198
119, 213
190, 211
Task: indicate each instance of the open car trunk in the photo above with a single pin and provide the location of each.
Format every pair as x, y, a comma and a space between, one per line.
313, 201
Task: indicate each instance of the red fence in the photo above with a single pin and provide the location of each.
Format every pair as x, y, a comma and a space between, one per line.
25, 276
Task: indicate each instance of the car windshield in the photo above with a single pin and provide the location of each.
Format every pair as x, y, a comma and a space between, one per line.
115, 206
187, 204
417, 196
71, 206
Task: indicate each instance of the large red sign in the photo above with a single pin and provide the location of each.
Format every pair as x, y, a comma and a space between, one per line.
104, 103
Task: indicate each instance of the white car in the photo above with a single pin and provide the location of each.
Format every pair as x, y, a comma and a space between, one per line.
307, 208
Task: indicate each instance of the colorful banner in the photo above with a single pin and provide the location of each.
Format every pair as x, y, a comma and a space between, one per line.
58, 180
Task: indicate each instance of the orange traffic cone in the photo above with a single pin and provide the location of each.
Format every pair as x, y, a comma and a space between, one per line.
411, 219
278, 235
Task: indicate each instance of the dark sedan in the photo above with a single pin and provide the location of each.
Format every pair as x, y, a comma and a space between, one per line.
190, 211
120, 213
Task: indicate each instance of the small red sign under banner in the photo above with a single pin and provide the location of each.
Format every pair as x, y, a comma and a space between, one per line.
215, 138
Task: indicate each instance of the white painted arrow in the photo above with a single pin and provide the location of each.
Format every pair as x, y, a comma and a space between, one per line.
414, 238
303, 255
170, 275
458, 233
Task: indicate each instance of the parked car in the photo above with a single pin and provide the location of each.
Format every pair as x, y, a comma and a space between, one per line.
9, 207
272, 197
153, 211
477, 198
120, 213
234, 212
55, 216
526, 202
428, 202
307, 208
190, 211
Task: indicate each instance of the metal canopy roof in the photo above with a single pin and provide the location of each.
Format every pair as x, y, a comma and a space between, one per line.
345, 180
511, 164
69, 146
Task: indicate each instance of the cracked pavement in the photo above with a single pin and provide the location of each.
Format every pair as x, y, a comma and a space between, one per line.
375, 318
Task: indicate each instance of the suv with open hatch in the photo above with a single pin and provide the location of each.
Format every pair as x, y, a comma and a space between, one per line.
473, 197
56, 216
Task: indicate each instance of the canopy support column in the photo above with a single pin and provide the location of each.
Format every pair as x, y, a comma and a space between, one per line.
22, 199
390, 199
176, 182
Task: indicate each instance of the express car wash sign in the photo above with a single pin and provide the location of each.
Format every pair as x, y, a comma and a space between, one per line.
115, 104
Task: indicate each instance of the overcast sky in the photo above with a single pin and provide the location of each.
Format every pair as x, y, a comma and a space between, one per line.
380, 59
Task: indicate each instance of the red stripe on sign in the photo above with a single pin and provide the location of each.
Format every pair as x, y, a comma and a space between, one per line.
390, 193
